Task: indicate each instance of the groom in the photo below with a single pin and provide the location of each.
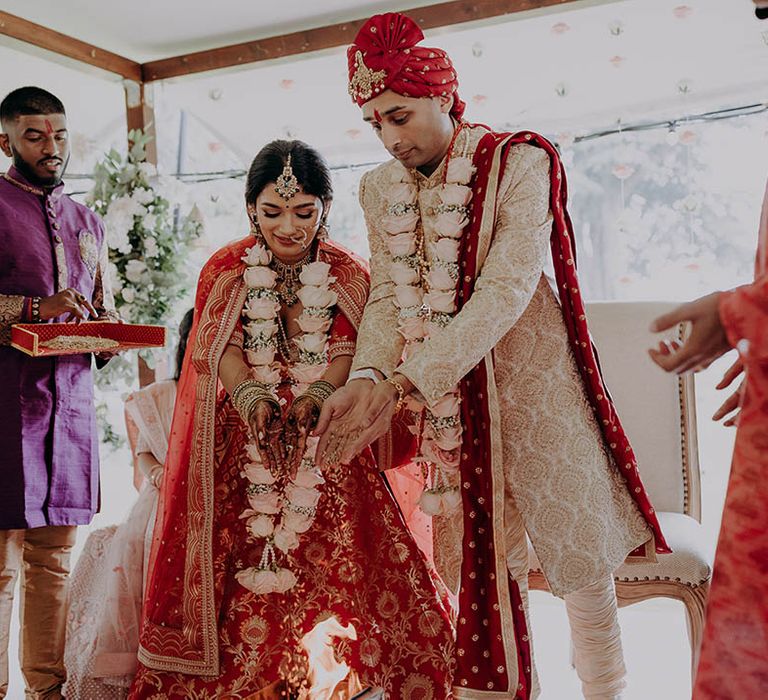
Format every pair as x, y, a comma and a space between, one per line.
514, 424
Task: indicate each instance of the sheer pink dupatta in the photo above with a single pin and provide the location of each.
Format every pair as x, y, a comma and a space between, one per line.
117, 639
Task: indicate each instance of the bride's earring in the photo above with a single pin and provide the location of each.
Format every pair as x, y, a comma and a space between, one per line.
255, 228
323, 231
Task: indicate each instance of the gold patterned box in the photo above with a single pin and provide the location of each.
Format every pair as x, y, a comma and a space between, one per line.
47, 339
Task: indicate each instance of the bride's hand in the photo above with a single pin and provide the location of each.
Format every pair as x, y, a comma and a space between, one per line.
300, 421
264, 422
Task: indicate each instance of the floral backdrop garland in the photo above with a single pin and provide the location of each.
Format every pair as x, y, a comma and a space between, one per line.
149, 245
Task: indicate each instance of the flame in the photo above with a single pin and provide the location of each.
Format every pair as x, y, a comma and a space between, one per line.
325, 672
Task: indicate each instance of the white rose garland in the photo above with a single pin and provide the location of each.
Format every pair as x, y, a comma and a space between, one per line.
426, 297
278, 515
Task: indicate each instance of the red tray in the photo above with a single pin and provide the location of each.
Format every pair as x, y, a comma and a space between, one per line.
29, 337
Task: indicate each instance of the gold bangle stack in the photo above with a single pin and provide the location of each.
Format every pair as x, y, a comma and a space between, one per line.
318, 392
400, 392
246, 395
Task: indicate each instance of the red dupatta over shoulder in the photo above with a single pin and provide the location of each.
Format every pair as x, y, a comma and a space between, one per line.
493, 649
185, 577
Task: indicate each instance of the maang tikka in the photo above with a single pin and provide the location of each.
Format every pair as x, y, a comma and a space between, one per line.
287, 185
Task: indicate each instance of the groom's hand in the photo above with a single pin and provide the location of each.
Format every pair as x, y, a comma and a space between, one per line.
376, 420
338, 420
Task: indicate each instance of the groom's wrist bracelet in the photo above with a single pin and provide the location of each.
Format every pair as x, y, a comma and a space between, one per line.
400, 392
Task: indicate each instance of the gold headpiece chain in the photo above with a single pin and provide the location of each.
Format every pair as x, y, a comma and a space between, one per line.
287, 185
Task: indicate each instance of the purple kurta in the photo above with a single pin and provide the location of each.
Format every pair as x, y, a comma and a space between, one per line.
48, 438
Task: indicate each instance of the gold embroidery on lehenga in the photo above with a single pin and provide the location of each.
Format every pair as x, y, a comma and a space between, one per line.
256, 630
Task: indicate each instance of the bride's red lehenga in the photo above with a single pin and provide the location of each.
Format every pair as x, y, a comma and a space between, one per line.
206, 636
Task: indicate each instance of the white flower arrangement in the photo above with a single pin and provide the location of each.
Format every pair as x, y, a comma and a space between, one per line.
148, 247
148, 239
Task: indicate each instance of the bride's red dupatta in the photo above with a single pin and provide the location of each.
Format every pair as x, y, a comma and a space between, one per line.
183, 592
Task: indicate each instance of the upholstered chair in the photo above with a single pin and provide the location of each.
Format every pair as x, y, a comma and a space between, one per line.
659, 414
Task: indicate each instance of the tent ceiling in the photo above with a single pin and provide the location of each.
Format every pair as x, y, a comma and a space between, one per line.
574, 69
569, 71
146, 31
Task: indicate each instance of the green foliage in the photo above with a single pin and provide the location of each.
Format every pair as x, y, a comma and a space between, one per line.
108, 434
150, 240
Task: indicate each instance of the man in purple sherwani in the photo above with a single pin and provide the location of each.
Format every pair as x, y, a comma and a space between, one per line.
53, 267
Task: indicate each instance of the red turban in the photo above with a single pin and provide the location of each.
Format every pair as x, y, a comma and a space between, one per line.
385, 56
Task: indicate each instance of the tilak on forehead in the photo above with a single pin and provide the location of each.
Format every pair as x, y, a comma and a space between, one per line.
48, 127
385, 56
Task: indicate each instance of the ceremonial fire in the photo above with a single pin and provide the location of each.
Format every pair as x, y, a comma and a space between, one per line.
327, 677
326, 674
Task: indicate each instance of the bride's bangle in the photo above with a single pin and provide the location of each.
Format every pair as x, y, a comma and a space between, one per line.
318, 393
248, 394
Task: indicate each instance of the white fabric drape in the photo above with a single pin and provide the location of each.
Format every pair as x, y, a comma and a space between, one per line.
106, 589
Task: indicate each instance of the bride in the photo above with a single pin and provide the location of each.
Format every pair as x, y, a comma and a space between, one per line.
253, 545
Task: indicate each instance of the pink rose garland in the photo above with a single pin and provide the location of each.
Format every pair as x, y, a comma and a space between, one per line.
427, 302
279, 516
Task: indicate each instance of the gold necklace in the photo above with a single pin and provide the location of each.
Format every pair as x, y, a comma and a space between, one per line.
283, 344
288, 277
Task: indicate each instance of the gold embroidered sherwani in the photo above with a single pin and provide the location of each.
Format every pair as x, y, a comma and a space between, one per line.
580, 518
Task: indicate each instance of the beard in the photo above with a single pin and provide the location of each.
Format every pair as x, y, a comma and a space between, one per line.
28, 171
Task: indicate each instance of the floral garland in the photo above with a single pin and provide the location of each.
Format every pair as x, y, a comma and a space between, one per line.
281, 509
425, 293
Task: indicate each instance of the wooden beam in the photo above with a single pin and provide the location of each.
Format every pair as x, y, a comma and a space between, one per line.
44, 38
140, 114
429, 17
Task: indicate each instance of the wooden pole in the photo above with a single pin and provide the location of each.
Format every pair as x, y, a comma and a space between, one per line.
140, 114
